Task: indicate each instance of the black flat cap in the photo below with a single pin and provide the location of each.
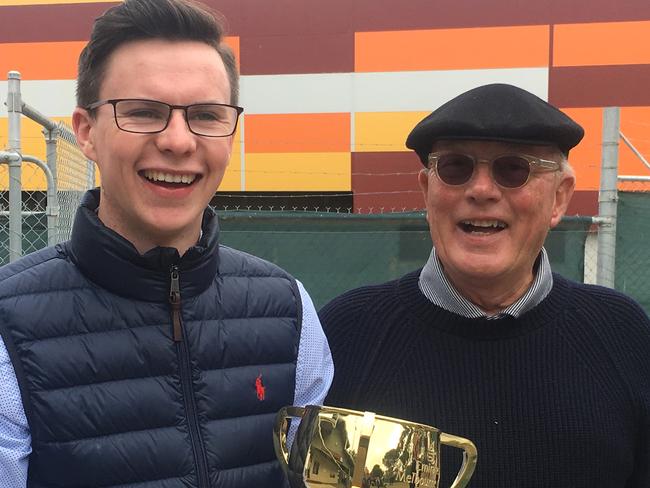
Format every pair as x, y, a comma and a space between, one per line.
496, 112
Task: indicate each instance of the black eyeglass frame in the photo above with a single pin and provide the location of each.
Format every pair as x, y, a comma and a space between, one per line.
184, 108
535, 165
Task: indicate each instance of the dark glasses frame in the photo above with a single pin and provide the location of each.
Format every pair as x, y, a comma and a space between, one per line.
535, 165
184, 108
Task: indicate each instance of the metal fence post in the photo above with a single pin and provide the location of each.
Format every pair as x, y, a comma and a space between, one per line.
608, 199
14, 111
51, 134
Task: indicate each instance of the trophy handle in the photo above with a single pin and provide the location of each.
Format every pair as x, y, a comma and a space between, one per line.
469, 458
280, 432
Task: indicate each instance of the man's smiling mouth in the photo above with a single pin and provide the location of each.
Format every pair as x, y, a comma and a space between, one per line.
482, 226
162, 177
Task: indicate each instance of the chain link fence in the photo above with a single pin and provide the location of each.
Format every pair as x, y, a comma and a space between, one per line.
44, 220
331, 253
38, 198
75, 175
633, 246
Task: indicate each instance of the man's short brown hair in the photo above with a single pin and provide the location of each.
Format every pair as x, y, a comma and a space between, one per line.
133, 20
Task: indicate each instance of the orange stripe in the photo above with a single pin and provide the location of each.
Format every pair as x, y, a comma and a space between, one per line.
586, 157
233, 42
41, 60
298, 133
634, 125
54, 60
601, 43
472, 48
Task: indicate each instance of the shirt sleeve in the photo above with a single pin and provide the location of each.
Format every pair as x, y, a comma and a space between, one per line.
314, 366
15, 440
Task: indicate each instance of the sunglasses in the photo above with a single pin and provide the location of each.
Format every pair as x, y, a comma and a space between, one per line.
506, 170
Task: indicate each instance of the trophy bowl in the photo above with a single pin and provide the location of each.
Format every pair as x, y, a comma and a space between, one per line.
340, 448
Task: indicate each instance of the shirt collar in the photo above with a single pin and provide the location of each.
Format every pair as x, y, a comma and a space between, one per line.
435, 285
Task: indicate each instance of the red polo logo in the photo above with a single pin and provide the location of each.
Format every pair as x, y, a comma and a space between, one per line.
260, 388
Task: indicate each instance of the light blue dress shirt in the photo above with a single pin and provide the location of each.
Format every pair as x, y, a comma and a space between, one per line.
435, 285
314, 372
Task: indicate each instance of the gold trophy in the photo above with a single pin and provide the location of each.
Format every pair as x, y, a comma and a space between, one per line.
339, 448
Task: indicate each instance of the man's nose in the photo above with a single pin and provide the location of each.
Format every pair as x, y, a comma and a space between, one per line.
482, 186
177, 136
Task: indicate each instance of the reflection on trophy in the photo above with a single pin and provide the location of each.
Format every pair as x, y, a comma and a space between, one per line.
339, 448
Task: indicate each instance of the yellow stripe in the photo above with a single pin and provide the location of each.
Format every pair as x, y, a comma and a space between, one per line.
384, 131
232, 178
32, 144
298, 171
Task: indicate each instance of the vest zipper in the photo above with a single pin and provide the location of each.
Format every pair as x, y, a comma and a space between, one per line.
175, 301
186, 380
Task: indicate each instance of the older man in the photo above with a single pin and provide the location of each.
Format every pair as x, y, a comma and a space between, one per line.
550, 378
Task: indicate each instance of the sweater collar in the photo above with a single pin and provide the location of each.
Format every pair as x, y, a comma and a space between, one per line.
425, 312
112, 262
435, 285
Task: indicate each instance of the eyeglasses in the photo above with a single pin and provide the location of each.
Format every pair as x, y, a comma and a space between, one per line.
506, 170
150, 116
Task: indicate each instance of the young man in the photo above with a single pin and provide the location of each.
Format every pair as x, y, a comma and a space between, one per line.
141, 352
549, 378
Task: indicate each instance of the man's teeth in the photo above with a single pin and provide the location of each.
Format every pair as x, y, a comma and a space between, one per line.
496, 224
168, 178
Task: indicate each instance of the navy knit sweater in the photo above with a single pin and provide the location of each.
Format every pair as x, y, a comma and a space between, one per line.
558, 398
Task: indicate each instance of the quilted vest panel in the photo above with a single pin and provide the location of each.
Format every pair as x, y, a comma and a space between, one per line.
113, 400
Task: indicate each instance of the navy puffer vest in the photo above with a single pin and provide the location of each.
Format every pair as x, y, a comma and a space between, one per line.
125, 384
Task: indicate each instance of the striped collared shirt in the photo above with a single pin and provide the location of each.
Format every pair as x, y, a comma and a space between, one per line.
438, 289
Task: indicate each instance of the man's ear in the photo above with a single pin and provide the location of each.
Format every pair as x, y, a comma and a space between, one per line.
423, 180
563, 194
83, 126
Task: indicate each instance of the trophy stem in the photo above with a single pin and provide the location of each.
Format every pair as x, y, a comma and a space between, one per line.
359, 472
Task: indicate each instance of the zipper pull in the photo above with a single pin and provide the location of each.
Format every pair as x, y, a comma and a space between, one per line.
175, 301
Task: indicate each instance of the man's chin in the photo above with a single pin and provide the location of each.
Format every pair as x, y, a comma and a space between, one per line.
478, 268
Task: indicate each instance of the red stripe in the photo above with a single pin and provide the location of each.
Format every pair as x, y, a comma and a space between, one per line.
38, 23
600, 86
583, 203
386, 179
285, 54
298, 18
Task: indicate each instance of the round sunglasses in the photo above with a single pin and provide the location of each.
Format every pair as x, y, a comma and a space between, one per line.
506, 170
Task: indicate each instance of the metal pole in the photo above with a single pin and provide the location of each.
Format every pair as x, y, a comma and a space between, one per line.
608, 199
14, 110
51, 135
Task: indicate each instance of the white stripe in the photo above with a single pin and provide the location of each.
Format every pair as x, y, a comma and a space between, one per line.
288, 94
376, 92
52, 98
426, 90
407, 91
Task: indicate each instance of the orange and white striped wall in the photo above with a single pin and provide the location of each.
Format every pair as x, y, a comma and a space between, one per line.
331, 89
